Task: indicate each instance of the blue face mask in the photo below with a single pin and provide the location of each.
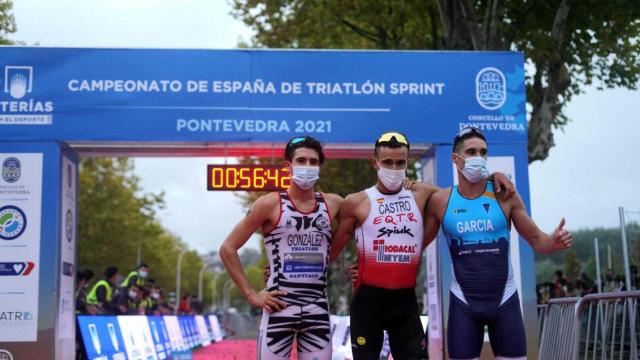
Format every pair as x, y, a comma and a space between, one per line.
475, 168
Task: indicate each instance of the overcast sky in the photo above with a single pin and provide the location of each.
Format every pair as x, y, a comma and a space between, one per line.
588, 175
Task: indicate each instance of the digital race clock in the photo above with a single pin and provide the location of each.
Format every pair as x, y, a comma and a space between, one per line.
247, 177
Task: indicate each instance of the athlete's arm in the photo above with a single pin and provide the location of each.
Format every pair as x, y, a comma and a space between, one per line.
432, 217
255, 219
346, 225
560, 239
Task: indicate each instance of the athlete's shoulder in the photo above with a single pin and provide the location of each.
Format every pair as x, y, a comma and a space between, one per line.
441, 196
423, 188
266, 202
353, 201
334, 201
355, 198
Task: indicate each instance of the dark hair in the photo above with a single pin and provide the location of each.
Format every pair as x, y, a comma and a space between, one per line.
392, 143
303, 142
143, 265
111, 270
87, 274
464, 134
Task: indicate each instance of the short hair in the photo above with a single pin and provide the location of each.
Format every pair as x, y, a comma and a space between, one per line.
87, 274
111, 270
143, 265
464, 134
396, 140
303, 142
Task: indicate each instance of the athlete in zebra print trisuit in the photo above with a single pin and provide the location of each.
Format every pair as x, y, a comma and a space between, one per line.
297, 233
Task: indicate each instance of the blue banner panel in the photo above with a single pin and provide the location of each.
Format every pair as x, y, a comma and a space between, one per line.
102, 338
159, 336
257, 96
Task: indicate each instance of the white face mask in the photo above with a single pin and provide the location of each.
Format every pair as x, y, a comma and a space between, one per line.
132, 294
305, 176
155, 295
391, 179
475, 168
143, 274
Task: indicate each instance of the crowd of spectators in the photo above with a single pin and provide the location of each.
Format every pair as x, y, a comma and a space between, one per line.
133, 294
561, 286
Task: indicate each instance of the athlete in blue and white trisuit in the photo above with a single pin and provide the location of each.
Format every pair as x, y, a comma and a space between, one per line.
476, 221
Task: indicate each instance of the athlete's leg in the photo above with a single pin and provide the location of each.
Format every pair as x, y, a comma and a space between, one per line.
465, 334
506, 332
404, 327
314, 336
276, 333
367, 333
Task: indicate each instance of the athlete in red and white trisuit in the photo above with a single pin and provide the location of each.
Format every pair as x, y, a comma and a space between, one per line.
386, 221
297, 233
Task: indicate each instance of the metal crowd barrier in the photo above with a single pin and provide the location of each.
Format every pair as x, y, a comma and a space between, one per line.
597, 326
557, 332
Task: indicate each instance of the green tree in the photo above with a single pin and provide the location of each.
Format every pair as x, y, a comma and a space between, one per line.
7, 21
115, 215
572, 266
567, 44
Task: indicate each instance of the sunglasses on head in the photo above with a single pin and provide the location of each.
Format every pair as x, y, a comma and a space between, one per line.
391, 135
468, 130
297, 140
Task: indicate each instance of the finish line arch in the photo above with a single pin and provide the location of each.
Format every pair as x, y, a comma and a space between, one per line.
58, 104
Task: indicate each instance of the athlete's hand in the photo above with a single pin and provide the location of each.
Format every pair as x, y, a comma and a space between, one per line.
353, 270
502, 182
562, 239
268, 300
407, 184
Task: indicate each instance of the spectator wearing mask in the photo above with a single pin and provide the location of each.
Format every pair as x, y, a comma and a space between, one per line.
137, 276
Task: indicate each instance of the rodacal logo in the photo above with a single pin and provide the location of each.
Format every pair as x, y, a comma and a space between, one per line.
19, 109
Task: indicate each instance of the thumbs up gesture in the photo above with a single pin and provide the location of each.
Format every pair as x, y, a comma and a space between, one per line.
561, 238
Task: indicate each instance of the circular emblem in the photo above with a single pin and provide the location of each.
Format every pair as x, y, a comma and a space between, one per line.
5, 355
68, 225
11, 169
322, 222
491, 88
13, 221
361, 340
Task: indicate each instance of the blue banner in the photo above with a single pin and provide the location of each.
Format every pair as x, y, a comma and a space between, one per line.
102, 338
159, 336
93, 95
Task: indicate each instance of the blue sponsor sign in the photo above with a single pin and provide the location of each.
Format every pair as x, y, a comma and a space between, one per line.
94, 95
102, 338
159, 336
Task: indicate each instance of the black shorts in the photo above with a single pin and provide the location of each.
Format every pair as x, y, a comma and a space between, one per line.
374, 310
465, 334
